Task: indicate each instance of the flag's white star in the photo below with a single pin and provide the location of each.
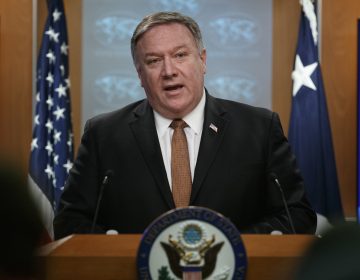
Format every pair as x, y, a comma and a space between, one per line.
61, 90
301, 75
50, 79
49, 171
52, 35
57, 135
49, 148
62, 69
67, 81
50, 32
56, 159
68, 165
38, 97
64, 48
49, 102
36, 120
56, 15
49, 125
69, 142
34, 144
59, 113
54, 181
51, 56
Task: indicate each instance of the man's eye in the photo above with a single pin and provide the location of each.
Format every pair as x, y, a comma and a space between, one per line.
152, 61
180, 55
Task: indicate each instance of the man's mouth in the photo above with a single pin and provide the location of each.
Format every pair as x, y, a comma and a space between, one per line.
173, 87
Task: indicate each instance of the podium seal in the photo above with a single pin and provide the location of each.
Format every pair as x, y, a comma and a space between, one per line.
191, 243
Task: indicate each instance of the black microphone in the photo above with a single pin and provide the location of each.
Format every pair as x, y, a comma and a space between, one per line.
108, 174
277, 183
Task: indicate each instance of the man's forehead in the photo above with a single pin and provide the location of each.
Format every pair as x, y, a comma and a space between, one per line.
165, 29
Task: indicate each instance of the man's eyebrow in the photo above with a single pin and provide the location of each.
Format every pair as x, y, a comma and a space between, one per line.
180, 47
173, 50
152, 54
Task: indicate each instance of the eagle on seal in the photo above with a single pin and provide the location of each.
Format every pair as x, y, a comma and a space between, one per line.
175, 254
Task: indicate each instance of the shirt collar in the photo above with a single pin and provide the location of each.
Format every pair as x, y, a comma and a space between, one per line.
194, 119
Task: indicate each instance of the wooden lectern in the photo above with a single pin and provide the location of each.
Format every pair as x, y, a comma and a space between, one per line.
114, 256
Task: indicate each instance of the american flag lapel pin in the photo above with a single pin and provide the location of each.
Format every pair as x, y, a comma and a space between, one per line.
213, 127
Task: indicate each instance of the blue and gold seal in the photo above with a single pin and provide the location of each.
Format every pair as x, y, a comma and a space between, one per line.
192, 240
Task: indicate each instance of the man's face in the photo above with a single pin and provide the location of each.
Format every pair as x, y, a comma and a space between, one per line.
171, 69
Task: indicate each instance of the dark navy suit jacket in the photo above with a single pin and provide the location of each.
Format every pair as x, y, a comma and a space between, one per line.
232, 173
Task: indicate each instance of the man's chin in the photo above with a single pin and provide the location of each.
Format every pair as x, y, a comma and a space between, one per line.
175, 112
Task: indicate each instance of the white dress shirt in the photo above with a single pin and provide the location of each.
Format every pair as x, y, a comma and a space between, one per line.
195, 121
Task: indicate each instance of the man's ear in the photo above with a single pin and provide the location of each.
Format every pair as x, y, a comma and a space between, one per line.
203, 59
139, 72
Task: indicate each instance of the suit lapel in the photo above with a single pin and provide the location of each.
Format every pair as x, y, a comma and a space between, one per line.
145, 133
213, 132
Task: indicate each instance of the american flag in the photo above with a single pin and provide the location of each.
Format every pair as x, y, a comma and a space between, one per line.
309, 132
52, 142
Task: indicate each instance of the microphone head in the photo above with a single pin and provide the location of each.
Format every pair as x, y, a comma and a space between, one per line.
273, 176
109, 173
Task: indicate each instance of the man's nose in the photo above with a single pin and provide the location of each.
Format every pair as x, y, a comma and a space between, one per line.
169, 68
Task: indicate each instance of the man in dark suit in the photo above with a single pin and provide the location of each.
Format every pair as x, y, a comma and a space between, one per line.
234, 150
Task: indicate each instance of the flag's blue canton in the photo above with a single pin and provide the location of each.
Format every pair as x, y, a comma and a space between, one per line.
52, 143
309, 132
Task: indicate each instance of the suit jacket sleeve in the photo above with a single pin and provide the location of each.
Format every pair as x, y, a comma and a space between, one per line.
281, 162
78, 202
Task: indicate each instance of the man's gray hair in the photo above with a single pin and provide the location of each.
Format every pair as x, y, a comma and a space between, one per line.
165, 18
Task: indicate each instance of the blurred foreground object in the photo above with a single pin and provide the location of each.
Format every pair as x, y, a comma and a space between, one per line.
335, 256
21, 227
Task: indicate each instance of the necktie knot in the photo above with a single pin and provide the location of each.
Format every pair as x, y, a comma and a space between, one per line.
178, 123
